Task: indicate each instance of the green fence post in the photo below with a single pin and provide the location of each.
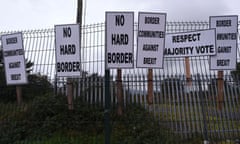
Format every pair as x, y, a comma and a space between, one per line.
107, 107
203, 108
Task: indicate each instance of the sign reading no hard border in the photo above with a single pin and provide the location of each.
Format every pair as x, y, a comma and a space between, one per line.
226, 42
151, 37
68, 50
119, 40
14, 61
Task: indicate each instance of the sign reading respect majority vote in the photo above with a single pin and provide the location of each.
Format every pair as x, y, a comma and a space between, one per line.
14, 61
119, 40
197, 43
151, 38
226, 42
68, 50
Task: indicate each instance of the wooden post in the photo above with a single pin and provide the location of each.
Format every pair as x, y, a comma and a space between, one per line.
220, 86
119, 92
19, 94
70, 93
188, 71
150, 87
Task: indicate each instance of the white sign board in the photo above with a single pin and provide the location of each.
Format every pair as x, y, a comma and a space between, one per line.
151, 38
14, 61
197, 43
68, 50
119, 40
226, 42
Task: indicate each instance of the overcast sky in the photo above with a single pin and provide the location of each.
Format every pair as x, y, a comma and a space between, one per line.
39, 14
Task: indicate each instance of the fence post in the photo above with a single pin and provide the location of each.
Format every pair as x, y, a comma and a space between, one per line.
107, 107
19, 94
119, 92
205, 133
220, 87
70, 93
188, 72
150, 87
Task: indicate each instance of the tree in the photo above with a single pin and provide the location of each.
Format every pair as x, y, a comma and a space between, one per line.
236, 74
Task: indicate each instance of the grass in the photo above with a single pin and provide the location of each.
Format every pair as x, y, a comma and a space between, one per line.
191, 120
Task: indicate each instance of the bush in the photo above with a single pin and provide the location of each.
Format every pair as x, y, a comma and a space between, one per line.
38, 85
48, 120
48, 116
137, 126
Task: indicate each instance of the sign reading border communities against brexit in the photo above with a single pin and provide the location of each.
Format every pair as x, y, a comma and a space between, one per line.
151, 38
226, 42
119, 40
14, 61
197, 43
68, 50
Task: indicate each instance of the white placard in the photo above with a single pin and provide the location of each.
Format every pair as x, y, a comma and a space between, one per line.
119, 40
188, 44
68, 50
14, 61
226, 42
151, 38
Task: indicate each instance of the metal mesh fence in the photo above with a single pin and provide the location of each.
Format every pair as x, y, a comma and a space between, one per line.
187, 110
39, 48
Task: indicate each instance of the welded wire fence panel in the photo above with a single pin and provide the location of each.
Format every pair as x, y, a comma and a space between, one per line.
39, 48
187, 108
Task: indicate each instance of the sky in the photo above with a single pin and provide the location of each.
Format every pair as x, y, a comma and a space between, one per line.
41, 14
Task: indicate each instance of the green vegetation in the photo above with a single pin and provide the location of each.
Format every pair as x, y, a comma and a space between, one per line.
236, 73
47, 120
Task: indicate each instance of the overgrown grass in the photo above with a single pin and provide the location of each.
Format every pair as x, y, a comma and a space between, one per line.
47, 120
215, 120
